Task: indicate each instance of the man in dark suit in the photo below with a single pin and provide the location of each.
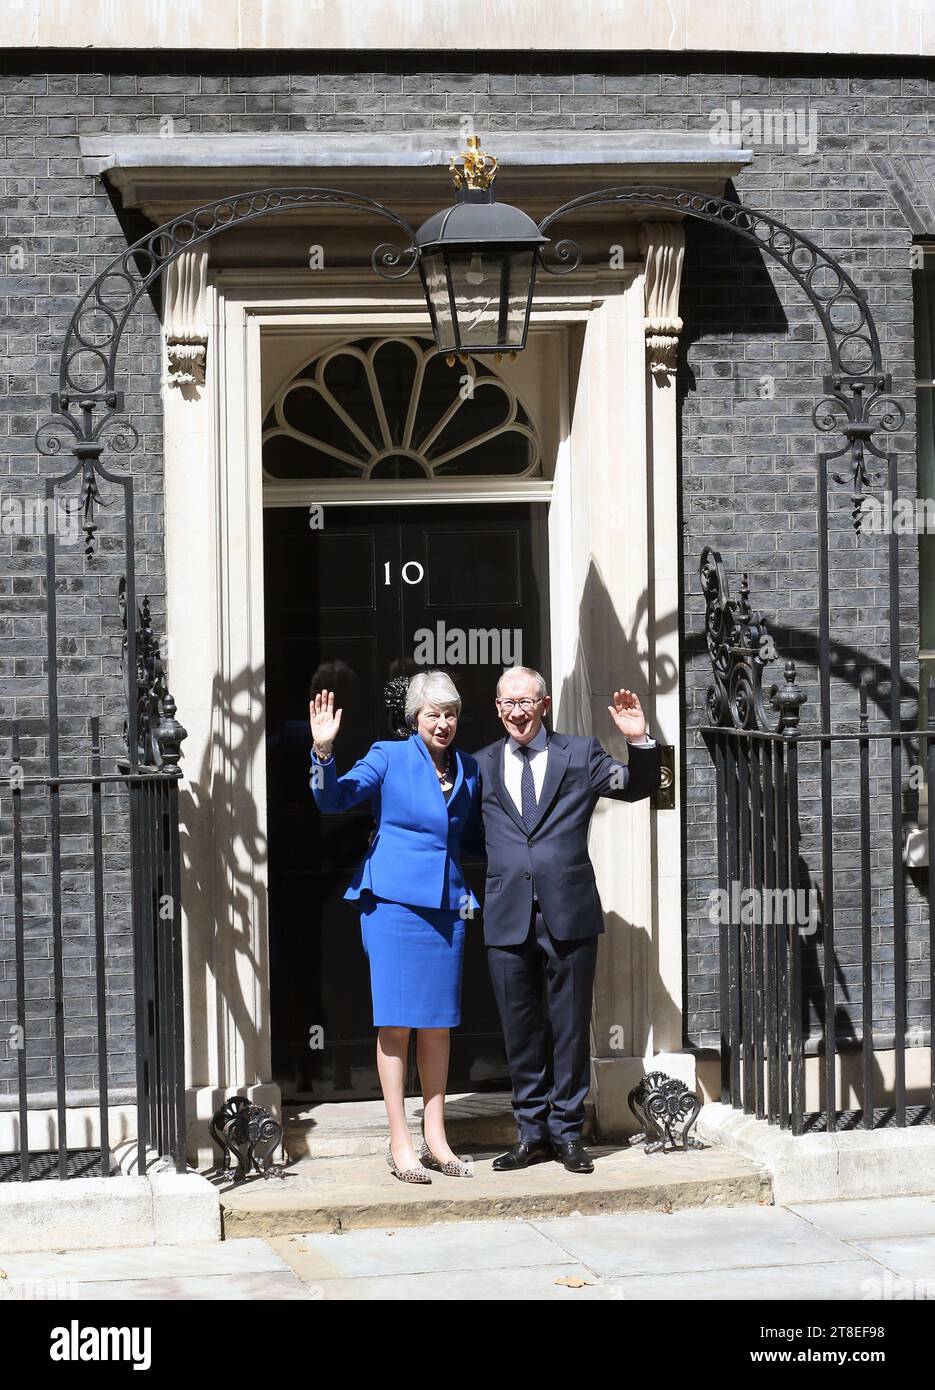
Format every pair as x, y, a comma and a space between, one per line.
542, 913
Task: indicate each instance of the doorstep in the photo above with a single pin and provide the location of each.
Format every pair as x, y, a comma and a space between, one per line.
351, 1129
342, 1194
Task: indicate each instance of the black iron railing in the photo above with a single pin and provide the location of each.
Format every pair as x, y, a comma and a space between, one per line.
160, 1000
817, 955
79, 899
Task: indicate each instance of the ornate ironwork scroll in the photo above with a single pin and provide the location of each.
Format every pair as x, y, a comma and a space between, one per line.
740, 648
88, 439
856, 389
250, 1133
663, 1105
159, 734
87, 398
92, 339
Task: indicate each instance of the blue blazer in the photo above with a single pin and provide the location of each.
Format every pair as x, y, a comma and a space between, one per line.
415, 855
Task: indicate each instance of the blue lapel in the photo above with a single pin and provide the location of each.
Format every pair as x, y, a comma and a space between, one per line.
430, 770
459, 778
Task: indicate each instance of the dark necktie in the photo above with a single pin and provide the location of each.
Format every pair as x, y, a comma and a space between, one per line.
527, 791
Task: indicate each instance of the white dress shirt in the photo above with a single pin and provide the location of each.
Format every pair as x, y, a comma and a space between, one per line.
538, 760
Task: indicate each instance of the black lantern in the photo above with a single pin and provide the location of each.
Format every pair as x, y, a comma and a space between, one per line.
478, 263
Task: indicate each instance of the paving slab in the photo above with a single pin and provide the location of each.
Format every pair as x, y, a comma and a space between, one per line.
352, 1193
145, 1262
908, 1257
685, 1241
217, 1288
863, 1218
745, 1253
481, 1245
310, 1264
844, 1281
540, 1284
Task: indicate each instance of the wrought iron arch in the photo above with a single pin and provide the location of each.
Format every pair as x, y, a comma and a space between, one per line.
100, 318
87, 403
856, 387
87, 364
801, 257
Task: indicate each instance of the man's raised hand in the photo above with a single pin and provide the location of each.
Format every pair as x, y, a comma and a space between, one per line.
627, 714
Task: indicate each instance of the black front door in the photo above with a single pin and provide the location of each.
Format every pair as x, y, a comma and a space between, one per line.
371, 593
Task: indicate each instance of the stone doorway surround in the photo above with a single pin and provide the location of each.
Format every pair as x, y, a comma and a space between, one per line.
611, 334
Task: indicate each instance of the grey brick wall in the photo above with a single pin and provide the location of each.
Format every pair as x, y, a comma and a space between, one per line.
751, 364
748, 459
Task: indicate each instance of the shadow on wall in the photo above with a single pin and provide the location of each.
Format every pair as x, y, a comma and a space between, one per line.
222, 845
628, 949
604, 645
847, 664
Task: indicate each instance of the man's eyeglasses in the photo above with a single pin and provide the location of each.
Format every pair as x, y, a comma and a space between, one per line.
526, 705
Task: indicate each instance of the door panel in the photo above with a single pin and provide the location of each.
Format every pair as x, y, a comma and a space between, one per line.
455, 574
340, 614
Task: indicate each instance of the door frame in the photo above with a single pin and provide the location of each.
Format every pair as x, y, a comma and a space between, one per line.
214, 566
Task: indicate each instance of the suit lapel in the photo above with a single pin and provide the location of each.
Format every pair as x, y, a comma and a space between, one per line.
495, 763
433, 791
459, 778
555, 768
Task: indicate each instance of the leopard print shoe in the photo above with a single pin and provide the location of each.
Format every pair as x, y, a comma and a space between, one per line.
417, 1174
456, 1168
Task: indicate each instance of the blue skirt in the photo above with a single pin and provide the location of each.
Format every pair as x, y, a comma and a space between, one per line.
415, 963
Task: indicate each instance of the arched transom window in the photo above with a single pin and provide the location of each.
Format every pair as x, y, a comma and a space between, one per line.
393, 408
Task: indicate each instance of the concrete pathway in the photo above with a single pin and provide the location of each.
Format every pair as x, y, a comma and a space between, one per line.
881, 1249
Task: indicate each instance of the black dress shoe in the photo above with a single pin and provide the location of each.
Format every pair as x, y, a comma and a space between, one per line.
574, 1156
522, 1154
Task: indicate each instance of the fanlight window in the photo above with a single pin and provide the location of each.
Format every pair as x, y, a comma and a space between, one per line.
393, 408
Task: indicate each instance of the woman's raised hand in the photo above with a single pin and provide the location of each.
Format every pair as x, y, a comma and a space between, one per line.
325, 722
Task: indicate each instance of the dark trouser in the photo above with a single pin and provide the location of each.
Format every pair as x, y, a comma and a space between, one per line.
517, 974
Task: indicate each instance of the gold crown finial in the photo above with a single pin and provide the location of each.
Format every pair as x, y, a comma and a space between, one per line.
472, 168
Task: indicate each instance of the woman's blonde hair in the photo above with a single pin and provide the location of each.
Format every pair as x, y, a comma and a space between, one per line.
430, 687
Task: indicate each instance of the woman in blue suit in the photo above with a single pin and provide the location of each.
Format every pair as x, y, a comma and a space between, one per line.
413, 897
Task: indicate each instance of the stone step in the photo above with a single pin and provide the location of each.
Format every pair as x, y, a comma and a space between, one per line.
342, 1194
351, 1129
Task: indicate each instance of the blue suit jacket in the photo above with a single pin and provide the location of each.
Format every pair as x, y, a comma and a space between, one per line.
551, 859
414, 856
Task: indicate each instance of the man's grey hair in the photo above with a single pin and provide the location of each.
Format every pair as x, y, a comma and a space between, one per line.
537, 676
430, 688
